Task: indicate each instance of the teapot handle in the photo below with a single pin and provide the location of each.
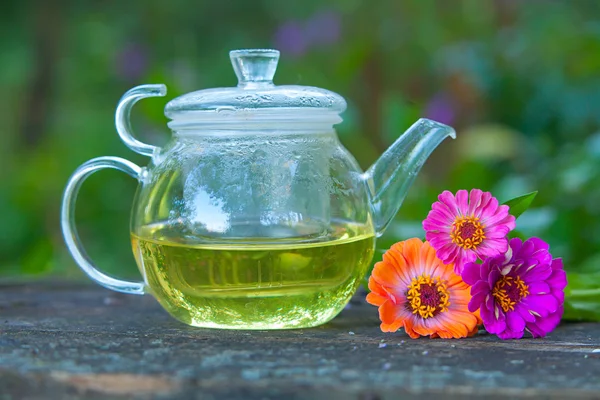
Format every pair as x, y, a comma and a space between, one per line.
123, 112
67, 220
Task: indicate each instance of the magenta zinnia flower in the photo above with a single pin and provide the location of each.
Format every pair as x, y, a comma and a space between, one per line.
522, 290
468, 226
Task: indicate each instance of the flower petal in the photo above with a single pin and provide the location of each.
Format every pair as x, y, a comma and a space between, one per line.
493, 277
497, 232
380, 291
542, 326
449, 200
486, 197
384, 274
531, 271
471, 273
538, 288
558, 278
462, 199
444, 211
489, 210
509, 334
408, 328
492, 247
492, 324
524, 313
390, 313
462, 257
480, 286
499, 217
445, 252
515, 245
394, 257
474, 201
459, 324
515, 322
477, 300
436, 221
559, 295
538, 244
493, 318
376, 299
541, 305
410, 252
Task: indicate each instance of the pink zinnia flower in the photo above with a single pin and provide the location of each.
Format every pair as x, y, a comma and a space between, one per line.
468, 226
522, 290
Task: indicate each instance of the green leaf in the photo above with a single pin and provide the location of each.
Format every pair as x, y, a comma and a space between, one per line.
582, 297
520, 204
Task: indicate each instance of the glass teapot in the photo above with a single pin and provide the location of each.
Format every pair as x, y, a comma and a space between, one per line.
253, 216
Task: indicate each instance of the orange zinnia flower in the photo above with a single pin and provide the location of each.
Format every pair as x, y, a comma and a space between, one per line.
415, 290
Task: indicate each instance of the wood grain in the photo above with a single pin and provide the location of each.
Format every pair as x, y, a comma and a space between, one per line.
64, 340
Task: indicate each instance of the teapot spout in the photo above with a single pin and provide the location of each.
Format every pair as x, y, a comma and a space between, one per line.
390, 177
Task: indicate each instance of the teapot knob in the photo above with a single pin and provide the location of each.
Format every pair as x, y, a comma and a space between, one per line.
255, 67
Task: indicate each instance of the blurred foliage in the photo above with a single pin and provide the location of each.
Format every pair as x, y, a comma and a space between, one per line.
518, 80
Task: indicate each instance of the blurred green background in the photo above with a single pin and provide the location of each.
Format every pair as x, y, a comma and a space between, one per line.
519, 80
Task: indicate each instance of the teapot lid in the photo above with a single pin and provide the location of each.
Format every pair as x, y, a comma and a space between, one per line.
255, 99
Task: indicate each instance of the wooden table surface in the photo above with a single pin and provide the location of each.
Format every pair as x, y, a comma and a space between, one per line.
68, 341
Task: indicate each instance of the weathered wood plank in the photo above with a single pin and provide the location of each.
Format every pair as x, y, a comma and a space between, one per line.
64, 341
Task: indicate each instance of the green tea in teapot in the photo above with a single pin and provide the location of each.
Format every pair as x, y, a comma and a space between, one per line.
254, 284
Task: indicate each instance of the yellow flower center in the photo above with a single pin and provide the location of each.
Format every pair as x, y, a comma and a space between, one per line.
467, 232
427, 297
508, 291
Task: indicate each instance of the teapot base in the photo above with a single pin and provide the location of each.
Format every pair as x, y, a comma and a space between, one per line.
301, 306
254, 286
297, 318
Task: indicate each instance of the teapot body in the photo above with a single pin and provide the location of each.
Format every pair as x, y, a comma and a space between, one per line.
254, 216
253, 229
